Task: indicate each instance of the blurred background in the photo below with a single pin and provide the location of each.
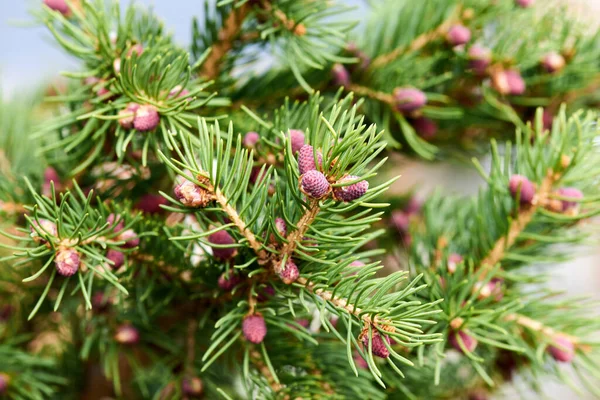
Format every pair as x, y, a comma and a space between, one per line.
28, 59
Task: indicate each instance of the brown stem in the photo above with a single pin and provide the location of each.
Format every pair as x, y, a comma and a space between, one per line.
538, 326
519, 224
227, 35
289, 24
241, 225
373, 94
419, 42
265, 371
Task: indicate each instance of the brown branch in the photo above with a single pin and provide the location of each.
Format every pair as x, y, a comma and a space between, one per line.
265, 371
241, 225
538, 326
373, 94
419, 42
289, 24
227, 35
519, 224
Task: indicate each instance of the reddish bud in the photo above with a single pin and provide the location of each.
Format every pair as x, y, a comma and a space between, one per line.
553, 62
146, 118
4, 382
314, 184
178, 92
425, 128
377, 345
400, 220
228, 280
265, 293
250, 139
67, 262
350, 192
340, 75
150, 203
127, 115
524, 3
115, 256
453, 260
130, 237
192, 387
522, 185
306, 159
127, 334
281, 226
191, 195
290, 273
508, 82
479, 59
254, 328
297, 139
573, 193
58, 5
408, 100
46, 228
469, 342
222, 238
458, 35
563, 349
360, 362
116, 222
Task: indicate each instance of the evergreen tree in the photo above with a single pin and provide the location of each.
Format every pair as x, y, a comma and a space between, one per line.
186, 223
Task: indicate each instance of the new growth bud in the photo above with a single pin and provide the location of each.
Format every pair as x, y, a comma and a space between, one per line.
408, 100
523, 187
289, 273
314, 184
350, 192
67, 261
254, 328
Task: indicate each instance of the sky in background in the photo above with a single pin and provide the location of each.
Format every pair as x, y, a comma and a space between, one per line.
29, 56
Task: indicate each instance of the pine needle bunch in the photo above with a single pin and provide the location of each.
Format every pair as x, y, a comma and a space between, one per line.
215, 222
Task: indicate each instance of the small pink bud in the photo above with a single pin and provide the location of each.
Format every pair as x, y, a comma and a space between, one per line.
425, 128
179, 92
228, 280
479, 59
265, 293
254, 328
115, 256
290, 273
281, 226
192, 387
409, 99
58, 5
553, 62
4, 382
360, 362
67, 262
116, 222
400, 220
453, 260
525, 3
297, 139
127, 334
413, 206
306, 159
356, 263
146, 118
572, 193
340, 75
46, 228
470, 343
377, 344
100, 302
50, 175
250, 139
315, 185
303, 322
563, 349
478, 395
137, 48
222, 238
522, 185
350, 192
508, 82
458, 35
130, 237
150, 203
191, 195
127, 115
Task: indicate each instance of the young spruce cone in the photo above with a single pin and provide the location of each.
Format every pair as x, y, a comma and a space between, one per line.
254, 328
67, 262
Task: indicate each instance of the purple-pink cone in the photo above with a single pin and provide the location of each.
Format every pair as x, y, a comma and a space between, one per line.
127, 334
146, 118
192, 386
117, 257
254, 328
58, 5
281, 226
314, 184
265, 293
524, 3
563, 349
572, 193
479, 59
178, 91
400, 220
296, 139
45, 227
4, 382
127, 115
426, 128
508, 82
67, 262
130, 237
222, 238
553, 62
250, 139
150, 203
290, 273
112, 218
340, 75
350, 192
50, 175
306, 159
453, 260
190, 194
520, 184
409, 99
458, 34
377, 344
469, 342
228, 280
360, 362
